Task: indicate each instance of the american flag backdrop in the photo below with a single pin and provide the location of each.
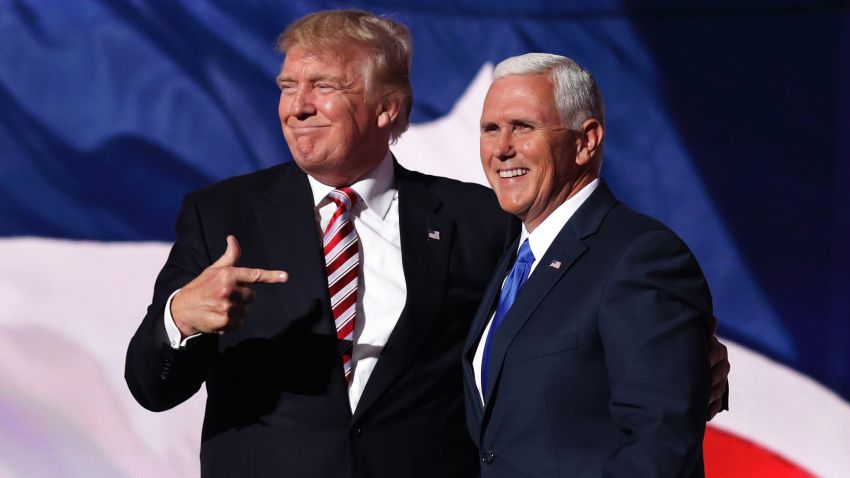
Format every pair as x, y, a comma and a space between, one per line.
729, 120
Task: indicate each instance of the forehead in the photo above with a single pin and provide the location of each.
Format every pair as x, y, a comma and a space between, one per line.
519, 96
299, 60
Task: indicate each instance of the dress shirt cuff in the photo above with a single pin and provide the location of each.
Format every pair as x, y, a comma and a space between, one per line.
175, 338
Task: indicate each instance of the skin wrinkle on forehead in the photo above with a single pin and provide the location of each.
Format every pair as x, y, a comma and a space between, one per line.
354, 51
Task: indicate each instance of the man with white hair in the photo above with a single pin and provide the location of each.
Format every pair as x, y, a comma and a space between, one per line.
589, 354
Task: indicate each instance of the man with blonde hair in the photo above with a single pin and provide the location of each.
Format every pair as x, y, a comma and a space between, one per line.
352, 367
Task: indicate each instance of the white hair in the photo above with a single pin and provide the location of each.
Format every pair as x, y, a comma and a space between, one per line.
577, 96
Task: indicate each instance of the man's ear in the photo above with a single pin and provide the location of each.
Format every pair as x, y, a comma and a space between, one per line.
388, 110
589, 142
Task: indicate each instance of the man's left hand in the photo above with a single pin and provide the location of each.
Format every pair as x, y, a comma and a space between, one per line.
719, 359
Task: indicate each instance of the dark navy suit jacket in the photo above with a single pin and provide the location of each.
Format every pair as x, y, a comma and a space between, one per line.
600, 368
277, 401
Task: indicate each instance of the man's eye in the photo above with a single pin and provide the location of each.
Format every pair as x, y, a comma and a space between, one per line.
522, 127
489, 128
287, 88
325, 87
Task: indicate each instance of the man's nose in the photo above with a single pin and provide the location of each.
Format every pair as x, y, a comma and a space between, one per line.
302, 105
504, 149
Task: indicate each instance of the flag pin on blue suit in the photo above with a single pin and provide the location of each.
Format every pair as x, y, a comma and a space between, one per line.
555, 264
435, 235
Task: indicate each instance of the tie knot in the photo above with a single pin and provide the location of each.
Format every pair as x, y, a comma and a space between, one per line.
344, 197
525, 256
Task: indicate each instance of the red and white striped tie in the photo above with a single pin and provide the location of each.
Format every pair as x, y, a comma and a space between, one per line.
341, 260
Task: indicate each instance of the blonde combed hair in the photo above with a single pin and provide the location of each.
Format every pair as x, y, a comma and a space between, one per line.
386, 45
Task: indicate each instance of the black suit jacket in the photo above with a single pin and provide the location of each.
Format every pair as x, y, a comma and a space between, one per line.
277, 400
600, 368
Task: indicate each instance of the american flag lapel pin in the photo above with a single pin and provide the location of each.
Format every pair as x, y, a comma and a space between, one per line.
555, 264
433, 235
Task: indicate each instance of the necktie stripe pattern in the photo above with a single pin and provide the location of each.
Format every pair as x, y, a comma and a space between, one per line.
341, 247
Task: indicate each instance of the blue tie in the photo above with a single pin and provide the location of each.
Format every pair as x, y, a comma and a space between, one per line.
516, 278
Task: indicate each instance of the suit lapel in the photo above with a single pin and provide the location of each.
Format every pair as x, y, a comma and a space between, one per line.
565, 250
426, 239
286, 217
479, 322
488, 301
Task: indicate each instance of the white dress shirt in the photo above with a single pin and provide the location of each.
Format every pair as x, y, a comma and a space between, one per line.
381, 289
539, 241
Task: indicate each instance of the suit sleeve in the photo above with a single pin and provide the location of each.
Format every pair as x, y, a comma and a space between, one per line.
160, 377
656, 350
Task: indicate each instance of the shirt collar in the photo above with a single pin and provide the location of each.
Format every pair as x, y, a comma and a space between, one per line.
376, 189
545, 233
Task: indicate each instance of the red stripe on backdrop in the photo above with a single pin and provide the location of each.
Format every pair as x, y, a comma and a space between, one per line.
730, 456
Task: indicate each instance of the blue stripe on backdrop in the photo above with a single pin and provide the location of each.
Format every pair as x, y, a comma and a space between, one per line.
727, 120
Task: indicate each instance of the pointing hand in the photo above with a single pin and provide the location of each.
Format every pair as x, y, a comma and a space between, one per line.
218, 299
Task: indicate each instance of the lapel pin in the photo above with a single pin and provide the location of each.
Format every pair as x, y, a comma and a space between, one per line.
435, 235
555, 264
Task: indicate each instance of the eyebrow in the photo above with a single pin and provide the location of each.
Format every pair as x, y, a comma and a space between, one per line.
512, 122
281, 78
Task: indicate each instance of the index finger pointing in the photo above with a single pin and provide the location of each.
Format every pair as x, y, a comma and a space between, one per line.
246, 275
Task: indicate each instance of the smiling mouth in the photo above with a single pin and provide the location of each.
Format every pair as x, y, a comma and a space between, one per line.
512, 173
307, 127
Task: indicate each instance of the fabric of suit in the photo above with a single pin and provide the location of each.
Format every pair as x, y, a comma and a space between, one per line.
600, 367
277, 401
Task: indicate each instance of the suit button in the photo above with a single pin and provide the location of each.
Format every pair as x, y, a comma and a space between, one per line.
356, 431
487, 457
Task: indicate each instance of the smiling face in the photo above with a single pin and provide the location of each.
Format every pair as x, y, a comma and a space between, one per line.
334, 133
531, 160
